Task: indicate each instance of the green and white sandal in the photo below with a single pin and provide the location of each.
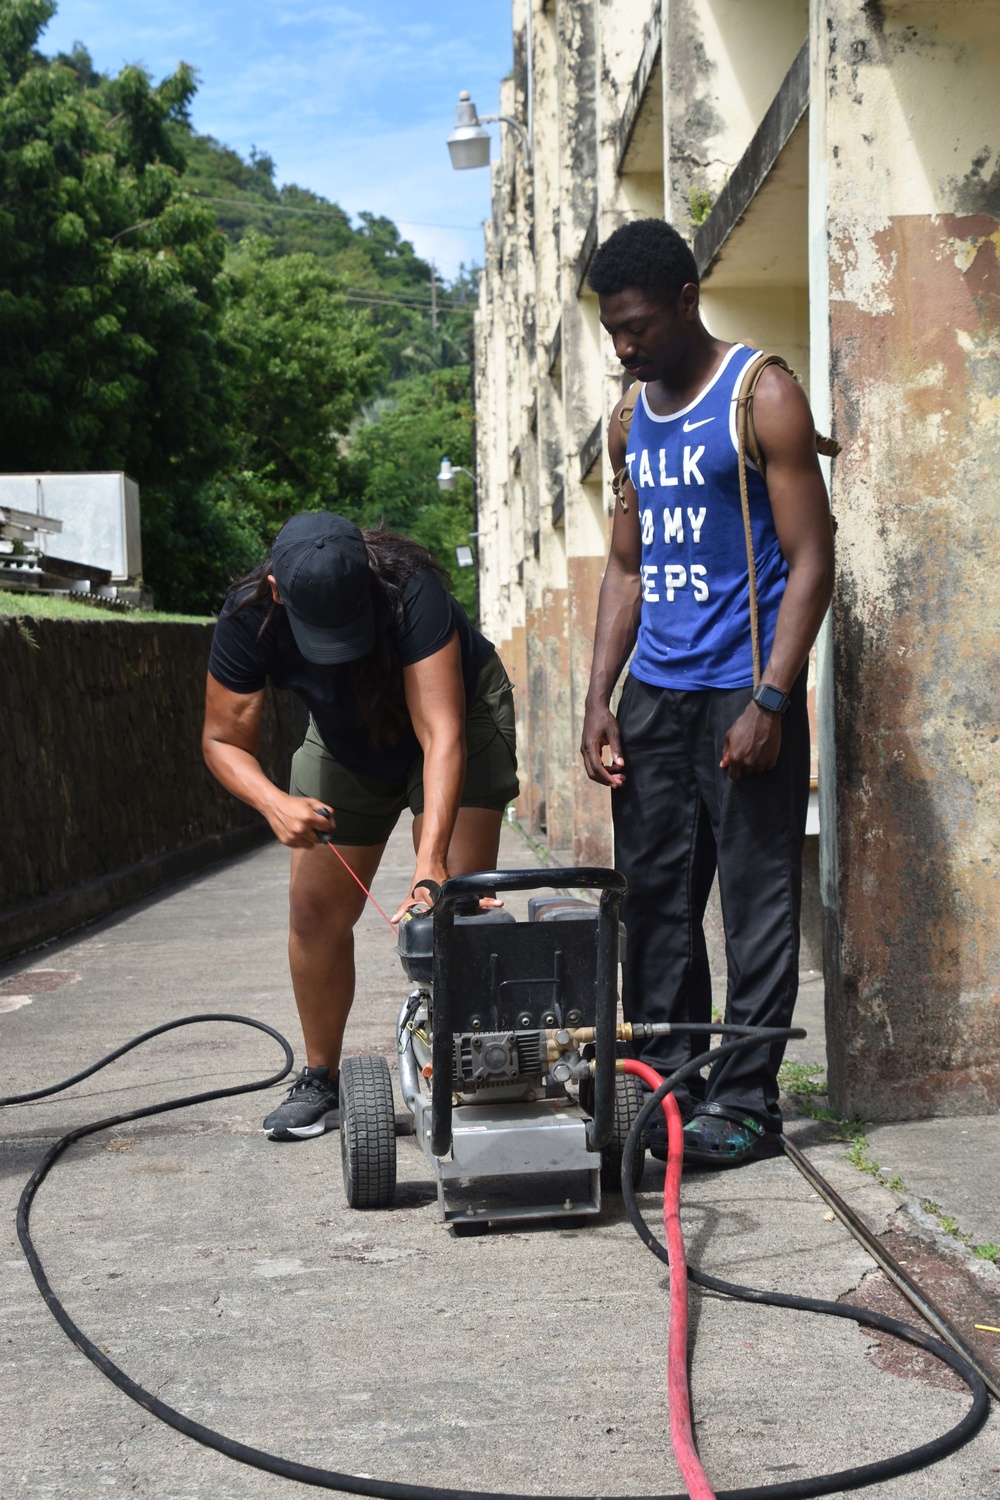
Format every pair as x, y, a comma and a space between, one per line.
723, 1138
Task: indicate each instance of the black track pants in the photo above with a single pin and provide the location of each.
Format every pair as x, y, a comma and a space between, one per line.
677, 818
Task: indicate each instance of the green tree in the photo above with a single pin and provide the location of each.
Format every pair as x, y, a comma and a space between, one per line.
109, 285
298, 364
396, 454
144, 326
377, 266
301, 362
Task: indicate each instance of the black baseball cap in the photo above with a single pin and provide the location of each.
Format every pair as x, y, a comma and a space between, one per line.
320, 565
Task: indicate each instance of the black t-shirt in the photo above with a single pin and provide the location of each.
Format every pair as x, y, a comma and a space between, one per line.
242, 663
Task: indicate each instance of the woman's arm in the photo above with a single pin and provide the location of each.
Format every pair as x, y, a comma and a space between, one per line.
229, 743
435, 697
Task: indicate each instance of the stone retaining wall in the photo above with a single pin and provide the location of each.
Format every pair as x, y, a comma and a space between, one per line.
103, 792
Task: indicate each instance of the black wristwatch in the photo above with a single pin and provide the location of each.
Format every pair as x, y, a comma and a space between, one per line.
771, 698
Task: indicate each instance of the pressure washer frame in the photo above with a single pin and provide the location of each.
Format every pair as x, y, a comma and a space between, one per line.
469, 1139
612, 886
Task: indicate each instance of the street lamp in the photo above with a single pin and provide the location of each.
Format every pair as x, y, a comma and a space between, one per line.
469, 143
447, 478
446, 474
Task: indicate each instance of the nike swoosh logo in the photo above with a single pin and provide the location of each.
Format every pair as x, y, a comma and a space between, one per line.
690, 426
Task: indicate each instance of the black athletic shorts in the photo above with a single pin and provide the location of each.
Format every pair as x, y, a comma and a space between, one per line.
366, 811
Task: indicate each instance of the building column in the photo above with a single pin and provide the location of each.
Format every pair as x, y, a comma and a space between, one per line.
912, 886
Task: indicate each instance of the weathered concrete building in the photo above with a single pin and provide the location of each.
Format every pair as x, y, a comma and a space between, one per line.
837, 167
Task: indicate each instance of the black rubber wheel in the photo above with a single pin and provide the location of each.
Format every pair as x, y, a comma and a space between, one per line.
367, 1132
628, 1102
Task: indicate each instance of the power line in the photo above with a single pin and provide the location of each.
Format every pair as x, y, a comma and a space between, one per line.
392, 302
413, 297
284, 208
432, 305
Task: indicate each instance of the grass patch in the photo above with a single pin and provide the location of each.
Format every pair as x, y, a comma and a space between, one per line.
805, 1082
26, 633
802, 1079
52, 607
986, 1251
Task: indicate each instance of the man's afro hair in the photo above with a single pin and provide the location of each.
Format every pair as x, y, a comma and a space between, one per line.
648, 255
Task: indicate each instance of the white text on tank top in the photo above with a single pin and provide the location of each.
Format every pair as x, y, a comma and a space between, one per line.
695, 622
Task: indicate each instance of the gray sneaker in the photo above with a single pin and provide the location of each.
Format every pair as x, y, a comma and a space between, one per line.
312, 1107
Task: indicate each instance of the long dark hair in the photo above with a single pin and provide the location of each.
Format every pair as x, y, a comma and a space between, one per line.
377, 679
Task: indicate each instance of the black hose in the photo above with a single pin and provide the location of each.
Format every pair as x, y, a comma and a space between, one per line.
160, 1109
272, 1463
845, 1479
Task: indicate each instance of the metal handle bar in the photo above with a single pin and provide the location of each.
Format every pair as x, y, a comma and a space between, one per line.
485, 882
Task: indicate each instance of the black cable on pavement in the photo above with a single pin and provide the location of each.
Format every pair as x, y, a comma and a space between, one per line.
389, 1490
846, 1479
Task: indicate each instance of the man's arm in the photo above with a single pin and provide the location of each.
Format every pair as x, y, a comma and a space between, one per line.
616, 629
787, 438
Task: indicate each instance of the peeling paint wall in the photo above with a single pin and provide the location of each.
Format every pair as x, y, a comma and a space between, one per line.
913, 126
546, 380
866, 250
726, 60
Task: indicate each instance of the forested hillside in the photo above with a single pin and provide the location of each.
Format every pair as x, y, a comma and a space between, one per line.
239, 347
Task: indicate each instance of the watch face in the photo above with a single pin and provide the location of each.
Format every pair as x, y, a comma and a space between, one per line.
770, 697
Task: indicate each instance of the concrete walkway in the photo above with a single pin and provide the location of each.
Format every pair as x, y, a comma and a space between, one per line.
227, 1275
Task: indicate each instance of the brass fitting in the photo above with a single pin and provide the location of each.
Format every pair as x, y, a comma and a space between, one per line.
560, 1039
571, 1038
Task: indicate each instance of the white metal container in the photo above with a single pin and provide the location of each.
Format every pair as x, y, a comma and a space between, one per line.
99, 515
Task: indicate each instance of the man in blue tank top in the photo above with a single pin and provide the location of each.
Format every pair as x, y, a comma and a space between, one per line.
706, 773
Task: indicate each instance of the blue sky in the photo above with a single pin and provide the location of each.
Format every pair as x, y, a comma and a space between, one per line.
354, 101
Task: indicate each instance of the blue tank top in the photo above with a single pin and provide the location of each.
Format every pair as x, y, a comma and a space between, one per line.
694, 629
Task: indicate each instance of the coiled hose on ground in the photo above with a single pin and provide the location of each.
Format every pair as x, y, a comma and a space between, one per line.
331, 1479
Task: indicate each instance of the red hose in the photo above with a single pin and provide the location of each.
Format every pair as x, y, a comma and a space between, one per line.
681, 1436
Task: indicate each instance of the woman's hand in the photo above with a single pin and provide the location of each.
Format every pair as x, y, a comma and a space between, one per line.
298, 822
419, 894
229, 745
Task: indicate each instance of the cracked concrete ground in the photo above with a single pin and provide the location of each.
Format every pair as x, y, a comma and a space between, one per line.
227, 1275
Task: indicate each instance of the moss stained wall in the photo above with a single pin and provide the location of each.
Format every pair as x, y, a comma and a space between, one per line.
103, 791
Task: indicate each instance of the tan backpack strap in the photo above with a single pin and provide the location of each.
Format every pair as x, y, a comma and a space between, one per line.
620, 478
744, 401
828, 446
742, 443
747, 446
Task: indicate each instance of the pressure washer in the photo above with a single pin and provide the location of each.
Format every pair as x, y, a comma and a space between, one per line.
507, 1050
506, 1055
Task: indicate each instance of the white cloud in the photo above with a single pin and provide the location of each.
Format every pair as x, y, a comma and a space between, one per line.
354, 103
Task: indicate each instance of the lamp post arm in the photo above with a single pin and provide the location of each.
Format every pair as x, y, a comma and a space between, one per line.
525, 141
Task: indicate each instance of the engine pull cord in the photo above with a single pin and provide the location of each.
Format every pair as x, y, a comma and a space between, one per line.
681, 1432
327, 839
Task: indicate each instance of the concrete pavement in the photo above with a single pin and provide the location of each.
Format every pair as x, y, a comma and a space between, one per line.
226, 1273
